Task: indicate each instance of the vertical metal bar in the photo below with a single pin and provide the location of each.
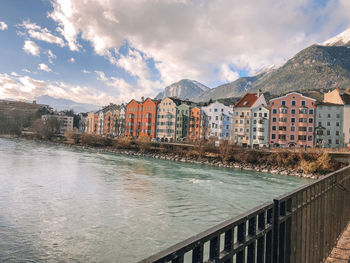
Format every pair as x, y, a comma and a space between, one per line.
214, 248
241, 237
299, 216
260, 253
179, 259
197, 254
294, 228
288, 234
308, 225
269, 235
228, 244
275, 242
251, 232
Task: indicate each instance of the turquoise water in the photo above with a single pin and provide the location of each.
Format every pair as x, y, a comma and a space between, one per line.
59, 204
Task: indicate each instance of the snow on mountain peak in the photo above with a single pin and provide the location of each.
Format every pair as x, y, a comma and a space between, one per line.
341, 39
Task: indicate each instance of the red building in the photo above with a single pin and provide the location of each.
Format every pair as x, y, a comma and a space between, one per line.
149, 118
292, 120
141, 118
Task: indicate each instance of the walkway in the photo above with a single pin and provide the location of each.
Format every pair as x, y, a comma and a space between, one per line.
341, 252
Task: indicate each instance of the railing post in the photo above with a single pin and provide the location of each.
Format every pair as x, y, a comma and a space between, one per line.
275, 228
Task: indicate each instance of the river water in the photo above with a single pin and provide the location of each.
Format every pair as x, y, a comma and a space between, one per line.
59, 204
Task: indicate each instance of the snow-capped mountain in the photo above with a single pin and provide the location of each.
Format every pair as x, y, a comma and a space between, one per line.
184, 89
343, 39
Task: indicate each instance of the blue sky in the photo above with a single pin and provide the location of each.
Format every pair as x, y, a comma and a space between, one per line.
111, 51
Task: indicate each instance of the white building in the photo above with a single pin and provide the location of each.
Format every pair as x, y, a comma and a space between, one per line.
66, 121
242, 117
218, 121
339, 97
260, 122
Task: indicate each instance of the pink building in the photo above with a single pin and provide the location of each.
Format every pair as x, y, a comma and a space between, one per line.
292, 121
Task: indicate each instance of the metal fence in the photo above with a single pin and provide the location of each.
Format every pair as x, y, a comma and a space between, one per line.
300, 226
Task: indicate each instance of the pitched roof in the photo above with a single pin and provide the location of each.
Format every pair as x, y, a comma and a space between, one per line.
247, 100
319, 103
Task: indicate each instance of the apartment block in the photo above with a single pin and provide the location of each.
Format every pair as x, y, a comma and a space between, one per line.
338, 97
66, 121
196, 125
329, 125
133, 113
166, 119
218, 121
182, 121
149, 118
242, 113
292, 120
260, 125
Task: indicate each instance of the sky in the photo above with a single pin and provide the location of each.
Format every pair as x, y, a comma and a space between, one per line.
102, 51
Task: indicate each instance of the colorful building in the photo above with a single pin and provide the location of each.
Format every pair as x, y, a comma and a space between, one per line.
197, 120
166, 119
329, 125
183, 121
218, 121
149, 118
260, 124
242, 117
92, 120
133, 113
292, 120
339, 97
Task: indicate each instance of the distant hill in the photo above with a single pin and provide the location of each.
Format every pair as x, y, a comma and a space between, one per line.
64, 104
318, 67
184, 89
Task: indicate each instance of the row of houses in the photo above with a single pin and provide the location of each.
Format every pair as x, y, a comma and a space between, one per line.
292, 120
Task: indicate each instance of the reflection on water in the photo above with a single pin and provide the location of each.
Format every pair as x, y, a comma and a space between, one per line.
62, 204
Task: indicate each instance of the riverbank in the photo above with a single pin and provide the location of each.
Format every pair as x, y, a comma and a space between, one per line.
306, 164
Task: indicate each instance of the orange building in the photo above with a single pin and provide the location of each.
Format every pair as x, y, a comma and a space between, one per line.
133, 113
195, 124
92, 123
108, 123
149, 118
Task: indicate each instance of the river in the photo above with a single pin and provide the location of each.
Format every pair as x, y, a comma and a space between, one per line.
61, 204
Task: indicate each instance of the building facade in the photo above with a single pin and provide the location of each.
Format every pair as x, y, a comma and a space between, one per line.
196, 125
92, 119
338, 97
242, 113
260, 125
292, 121
133, 112
166, 119
218, 123
182, 121
149, 118
329, 125
66, 122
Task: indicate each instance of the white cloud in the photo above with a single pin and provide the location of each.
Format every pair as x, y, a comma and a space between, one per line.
27, 88
71, 60
86, 71
44, 67
42, 34
188, 39
227, 75
3, 26
30, 47
51, 56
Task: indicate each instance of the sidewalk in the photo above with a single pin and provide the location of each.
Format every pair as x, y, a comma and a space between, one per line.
341, 252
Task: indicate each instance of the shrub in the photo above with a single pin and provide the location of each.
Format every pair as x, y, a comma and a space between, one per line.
94, 140
123, 143
144, 143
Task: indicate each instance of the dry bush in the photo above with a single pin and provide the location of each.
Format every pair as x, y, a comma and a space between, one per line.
73, 135
225, 151
144, 143
123, 143
192, 154
94, 140
317, 162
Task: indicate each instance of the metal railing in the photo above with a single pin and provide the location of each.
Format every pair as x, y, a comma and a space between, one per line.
300, 226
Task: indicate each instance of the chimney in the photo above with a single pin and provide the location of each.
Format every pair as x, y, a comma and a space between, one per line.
142, 99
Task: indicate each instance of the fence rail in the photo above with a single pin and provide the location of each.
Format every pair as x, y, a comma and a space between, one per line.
300, 226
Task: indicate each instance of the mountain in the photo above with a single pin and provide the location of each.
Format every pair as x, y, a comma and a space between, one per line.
63, 104
234, 89
342, 39
184, 89
318, 67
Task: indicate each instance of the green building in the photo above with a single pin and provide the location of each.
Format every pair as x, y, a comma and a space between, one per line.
182, 121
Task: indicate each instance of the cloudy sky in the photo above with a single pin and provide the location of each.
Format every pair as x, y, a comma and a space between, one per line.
101, 51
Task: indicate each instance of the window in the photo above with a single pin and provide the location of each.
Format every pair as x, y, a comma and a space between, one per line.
311, 111
284, 119
293, 102
328, 123
309, 138
283, 102
302, 120
338, 116
282, 128
336, 141
330, 141
302, 137
328, 132
274, 119
281, 136
303, 102
337, 133
283, 110
328, 115
292, 137
310, 129
302, 129
292, 128
274, 111
265, 115
273, 136
215, 110
311, 120
273, 128
255, 114
337, 124
293, 111
292, 119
